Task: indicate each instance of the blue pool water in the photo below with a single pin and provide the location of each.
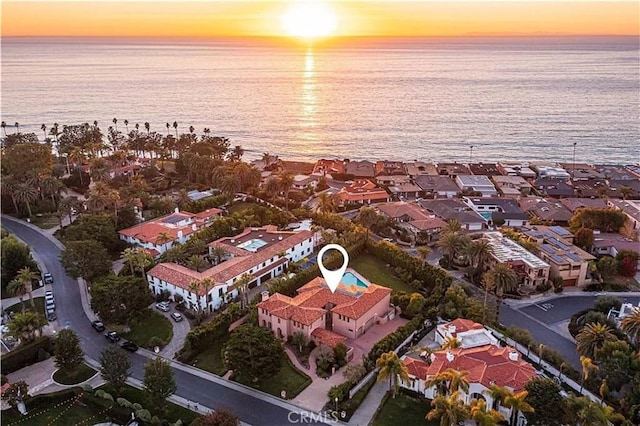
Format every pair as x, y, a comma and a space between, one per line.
350, 280
486, 215
252, 245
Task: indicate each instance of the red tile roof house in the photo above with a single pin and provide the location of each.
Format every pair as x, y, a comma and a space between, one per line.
470, 334
425, 226
486, 364
178, 227
263, 253
325, 317
362, 191
327, 167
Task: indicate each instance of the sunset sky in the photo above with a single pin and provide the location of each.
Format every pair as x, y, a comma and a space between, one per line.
352, 18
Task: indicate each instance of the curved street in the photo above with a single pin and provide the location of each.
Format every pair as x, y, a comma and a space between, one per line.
252, 407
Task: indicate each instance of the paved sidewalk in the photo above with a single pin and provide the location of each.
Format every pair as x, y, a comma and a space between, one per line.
568, 291
364, 414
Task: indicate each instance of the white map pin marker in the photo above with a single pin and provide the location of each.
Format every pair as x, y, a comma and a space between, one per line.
333, 277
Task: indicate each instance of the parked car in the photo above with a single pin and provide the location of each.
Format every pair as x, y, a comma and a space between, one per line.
50, 310
48, 278
51, 316
129, 346
50, 304
97, 325
112, 336
48, 293
389, 240
176, 316
163, 306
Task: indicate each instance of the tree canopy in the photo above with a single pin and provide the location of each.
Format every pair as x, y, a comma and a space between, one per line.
159, 382
120, 299
87, 259
547, 402
253, 352
68, 353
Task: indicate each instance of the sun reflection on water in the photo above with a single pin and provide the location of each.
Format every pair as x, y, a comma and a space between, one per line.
309, 98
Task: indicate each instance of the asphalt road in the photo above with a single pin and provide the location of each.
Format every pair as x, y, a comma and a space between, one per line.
251, 410
537, 317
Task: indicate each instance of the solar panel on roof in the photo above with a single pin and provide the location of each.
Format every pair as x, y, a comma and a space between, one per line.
557, 258
172, 219
547, 248
574, 257
560, 230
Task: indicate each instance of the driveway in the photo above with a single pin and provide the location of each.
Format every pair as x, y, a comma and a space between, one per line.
180, 330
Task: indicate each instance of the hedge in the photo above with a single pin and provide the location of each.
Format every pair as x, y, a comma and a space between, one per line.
25, 355
207, 333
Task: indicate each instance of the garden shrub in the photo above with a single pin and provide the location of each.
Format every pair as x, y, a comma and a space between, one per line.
26, 354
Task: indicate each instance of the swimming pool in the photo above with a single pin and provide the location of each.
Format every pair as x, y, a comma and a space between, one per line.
252, 245
348, 279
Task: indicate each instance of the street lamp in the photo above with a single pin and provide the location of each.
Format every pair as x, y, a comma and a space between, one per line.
574, 161
336, 400
470, 153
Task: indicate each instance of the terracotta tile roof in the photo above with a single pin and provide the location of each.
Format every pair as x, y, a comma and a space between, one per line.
416, 368
485, 364
243, 261
362, 189
315, 295
329, 166
209, 213
148, 231
328, 337
461, 325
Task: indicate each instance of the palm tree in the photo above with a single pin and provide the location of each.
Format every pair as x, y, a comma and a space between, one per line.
27, 276
498, 394
451, 343
130, 256
630, 324
44, 130
502, 278
25, 193
162, 239
115, 123
147, 127
4, 127
51, 185
626, 192
17, 127
481, 416
8, 185
236, 154
230, 184
441, 382
581, 410
453, 227
68, 204
393, 368
183, 197
266, 159
327, 203
286, 183
479, 252
424, 252
449, 410
587, 367
194, 288
451, 243
196, 262
367, 217
138, 258
218, 253
191, 130
592, 337
243, 289
603, 390
457, 380
175, 126
517, 403
17, 289
26, 325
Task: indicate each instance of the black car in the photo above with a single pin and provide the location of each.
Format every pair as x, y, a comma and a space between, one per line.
51, 316
112, 336
98, 325
48, 278
129, 346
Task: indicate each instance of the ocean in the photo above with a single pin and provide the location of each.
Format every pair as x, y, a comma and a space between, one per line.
432, 99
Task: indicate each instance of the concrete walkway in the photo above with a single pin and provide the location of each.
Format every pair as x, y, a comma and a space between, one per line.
314, 397
365, 412
180, 330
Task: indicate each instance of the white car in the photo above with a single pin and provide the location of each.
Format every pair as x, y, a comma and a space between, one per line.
163, 306
176, 316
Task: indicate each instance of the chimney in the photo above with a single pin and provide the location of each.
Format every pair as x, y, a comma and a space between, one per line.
194, 227
265, 295
433, 357
450, 356
177, 210
513, 355
280, 238
180, 234
452, 329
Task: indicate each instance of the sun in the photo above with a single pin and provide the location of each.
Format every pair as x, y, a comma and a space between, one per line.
309, 20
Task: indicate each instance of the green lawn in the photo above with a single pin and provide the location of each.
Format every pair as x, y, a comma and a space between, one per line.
211, 359
153, 325
403, 410
38, 301
289, 378
46, 221
376, 271
79, 375
240, 207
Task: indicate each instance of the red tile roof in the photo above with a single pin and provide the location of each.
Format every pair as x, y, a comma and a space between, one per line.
486, 365
461, 325
328, 337
148, 231
243, 261
315, 295
362, 189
